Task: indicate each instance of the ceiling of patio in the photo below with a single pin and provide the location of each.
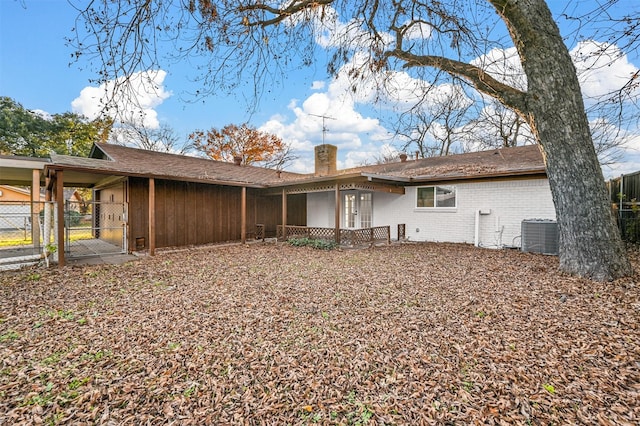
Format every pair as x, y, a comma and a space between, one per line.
19, 171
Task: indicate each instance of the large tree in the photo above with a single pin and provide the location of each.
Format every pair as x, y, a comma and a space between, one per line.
245, 142
260, 39
28, 133
432, 128
162, 138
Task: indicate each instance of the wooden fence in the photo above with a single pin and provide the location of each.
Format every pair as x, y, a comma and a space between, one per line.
625, 199
347, 237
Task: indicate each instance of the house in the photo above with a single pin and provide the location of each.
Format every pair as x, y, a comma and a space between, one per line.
14, 194
145, 200
480, 197
15, 208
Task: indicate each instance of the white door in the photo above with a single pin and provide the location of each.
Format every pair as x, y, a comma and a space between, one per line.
358, 210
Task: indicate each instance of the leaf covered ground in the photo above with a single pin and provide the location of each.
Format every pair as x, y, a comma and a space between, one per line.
264, 334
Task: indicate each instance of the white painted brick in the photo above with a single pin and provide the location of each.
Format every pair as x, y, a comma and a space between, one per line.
510, 202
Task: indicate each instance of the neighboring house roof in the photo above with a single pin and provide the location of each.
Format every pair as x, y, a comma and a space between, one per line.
12, 193
124, 161
72, 194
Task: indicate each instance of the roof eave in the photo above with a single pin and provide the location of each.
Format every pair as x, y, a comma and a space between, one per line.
314, 179
387, 178
431, 178
154, 176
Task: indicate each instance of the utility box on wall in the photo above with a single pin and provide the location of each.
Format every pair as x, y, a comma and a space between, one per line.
540, 236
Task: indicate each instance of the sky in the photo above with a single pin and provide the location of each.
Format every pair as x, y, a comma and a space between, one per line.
36, 70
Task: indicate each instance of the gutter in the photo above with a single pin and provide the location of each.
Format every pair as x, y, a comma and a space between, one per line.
426, 178
315, 179
372, 176
21, 163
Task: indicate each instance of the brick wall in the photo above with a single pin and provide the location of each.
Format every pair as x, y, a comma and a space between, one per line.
506, 202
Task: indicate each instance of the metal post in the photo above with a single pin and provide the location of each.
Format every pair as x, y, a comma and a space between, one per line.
337, 214
35, 208
59, 192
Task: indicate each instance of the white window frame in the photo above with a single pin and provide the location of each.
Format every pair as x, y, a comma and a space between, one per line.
358, 209
435, 198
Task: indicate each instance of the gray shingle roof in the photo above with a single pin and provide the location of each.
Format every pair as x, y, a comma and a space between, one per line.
496, 162
121, 160
127, 161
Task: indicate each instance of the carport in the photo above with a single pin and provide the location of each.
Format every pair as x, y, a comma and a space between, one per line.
39, 173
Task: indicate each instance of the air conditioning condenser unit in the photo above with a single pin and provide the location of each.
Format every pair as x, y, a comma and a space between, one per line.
540, 236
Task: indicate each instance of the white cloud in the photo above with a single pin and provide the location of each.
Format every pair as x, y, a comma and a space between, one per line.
317, 85
629, 161
361, 138
130, 101
332, 32
602, 68
42, 114
358, 137
418, 30
503, 65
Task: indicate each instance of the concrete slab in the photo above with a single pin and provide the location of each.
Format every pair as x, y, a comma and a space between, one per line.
111, 259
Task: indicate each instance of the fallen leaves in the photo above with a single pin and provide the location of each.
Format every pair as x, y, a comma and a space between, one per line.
264, 334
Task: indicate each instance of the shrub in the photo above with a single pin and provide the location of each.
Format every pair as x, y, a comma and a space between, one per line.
72, 218
313, 243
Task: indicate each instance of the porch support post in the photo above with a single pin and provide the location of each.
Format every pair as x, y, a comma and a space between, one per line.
35, 208
284, 214
59, 194
152, 217
337, 214
47, 210
243, 215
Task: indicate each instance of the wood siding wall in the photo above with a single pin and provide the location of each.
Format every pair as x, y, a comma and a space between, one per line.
138, 213
195, 214
269, 211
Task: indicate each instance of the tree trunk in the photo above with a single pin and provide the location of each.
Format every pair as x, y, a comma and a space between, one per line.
590, 243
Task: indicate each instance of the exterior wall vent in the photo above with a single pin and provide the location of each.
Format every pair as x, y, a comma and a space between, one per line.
540, 236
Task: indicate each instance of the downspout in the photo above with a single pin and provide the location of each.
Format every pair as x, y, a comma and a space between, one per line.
476, 238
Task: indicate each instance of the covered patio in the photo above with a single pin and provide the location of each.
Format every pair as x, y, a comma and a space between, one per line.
53, 230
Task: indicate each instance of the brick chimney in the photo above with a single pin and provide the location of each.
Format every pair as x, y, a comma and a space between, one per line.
403, 158
237, 160
326, 159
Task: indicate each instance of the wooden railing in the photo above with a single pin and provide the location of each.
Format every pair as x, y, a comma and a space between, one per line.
402, 231
347, 237
260, 231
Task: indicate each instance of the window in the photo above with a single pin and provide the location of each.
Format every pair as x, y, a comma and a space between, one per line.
436, 196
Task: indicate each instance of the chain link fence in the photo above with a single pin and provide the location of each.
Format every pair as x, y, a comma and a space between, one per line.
95, 228
27, 233
28, 229
22, 223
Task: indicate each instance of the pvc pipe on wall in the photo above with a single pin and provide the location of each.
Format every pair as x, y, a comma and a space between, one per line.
476, 238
